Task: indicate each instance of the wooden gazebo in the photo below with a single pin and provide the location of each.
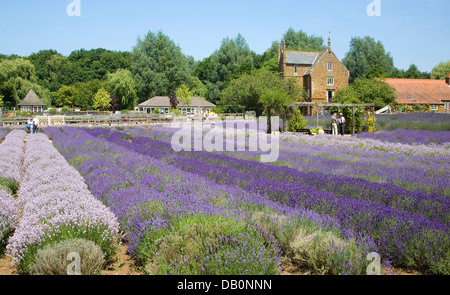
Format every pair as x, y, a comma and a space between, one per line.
319, 107
31, 103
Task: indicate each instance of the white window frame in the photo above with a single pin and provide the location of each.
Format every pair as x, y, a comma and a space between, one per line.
295, 70
330, 81
434, 107
330, 67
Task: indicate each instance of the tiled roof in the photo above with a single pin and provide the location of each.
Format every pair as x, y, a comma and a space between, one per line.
31, 99
164, 102
420, 91
301, 58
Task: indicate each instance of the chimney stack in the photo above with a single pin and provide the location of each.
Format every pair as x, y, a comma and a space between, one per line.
447, 79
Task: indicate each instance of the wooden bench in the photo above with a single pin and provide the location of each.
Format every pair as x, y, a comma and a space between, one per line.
304, 131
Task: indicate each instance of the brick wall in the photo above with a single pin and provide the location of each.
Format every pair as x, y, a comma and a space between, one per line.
320, 73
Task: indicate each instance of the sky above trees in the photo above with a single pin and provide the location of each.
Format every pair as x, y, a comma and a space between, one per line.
414, 32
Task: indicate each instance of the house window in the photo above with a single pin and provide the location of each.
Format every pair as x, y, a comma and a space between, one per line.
447, 106
330, 66
434, 107
330, 81
295, 69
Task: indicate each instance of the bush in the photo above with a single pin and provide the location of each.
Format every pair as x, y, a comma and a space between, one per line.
297, 122
54, 259
65, 109
208, 245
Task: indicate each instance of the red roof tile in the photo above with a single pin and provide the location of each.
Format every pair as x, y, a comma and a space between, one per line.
420, 91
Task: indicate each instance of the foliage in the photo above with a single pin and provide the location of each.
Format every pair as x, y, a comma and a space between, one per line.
207, 245
114, 103
233, 57
101, 100
367, 58
297, 122
17, 77
184, 94
440, 71
53, 258
173, 100
158, 66
122, 85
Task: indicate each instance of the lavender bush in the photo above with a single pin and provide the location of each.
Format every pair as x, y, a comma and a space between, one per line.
57, 206
396, 218
149, 196
8, 218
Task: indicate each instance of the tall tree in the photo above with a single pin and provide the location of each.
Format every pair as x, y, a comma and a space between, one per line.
101, 100
158, 66
440, 71
184, 94
366, 57
233, 55
17, 77
122, 85
246, 92
173, 100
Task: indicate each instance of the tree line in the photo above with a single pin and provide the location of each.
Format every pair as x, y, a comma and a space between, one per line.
233, 77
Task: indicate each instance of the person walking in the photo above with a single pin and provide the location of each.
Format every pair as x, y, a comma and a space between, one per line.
342, 124
35, 124
334, 122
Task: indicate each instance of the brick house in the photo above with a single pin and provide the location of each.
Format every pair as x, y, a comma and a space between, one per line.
432, 94
320, 73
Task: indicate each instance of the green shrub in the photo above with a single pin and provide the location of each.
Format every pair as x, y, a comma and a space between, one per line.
54, 259
297, 122
208, 245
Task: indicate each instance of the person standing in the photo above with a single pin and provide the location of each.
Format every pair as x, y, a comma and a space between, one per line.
342, 124
334, 122
29, 125
35, 124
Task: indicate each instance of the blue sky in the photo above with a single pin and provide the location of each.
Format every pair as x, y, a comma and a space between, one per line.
413, 31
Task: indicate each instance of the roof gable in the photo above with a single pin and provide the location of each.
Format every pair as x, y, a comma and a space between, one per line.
164, 101
302, 58
31, 99
421, 91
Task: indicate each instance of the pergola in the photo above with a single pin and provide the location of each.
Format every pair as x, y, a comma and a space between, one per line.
320, 106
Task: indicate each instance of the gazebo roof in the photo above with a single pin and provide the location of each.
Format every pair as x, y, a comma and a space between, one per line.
31, 99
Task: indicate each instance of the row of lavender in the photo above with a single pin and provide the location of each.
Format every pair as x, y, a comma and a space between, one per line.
412, 137
11, 154
51, 202
409, 227
415, 168
150, 197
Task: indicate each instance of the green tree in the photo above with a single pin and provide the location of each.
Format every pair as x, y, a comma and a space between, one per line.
158, 66
367, 57
184, 94
101, 100
233, 56
246, 92
197, 87
85, 92
122, 85
440, 71
17, 77
300, 40
65, 96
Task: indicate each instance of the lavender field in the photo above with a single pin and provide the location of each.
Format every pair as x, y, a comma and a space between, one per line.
325, 204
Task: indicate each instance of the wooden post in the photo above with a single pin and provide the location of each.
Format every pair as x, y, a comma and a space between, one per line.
353, 120
269, 122
373, 119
